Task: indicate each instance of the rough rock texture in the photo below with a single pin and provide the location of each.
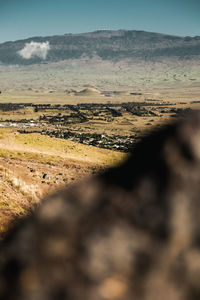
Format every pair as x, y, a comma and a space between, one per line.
132, 232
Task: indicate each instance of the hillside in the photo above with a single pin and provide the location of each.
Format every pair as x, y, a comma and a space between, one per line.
34, 165
107, 45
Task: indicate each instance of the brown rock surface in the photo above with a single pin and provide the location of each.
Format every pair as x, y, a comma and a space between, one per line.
132, 232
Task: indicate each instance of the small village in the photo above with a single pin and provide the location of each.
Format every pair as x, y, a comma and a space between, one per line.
63, 121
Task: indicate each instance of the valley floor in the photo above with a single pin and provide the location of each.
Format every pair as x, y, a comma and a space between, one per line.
45, 145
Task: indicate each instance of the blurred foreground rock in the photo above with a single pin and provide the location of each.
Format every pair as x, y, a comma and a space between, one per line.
132, 232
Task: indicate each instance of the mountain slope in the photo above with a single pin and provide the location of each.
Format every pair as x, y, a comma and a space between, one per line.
108, 45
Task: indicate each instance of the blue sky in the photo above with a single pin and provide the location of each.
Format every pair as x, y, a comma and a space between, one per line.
27, 18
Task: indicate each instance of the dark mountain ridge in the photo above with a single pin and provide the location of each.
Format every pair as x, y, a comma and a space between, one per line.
107, 45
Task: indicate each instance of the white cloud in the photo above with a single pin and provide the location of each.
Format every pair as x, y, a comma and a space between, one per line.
35, 49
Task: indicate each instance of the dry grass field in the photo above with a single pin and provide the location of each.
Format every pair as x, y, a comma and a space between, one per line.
168, 79
34, 165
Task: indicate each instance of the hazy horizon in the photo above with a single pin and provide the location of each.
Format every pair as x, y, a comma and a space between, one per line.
101, 29
24, 19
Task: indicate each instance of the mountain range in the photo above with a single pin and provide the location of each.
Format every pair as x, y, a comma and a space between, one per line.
105, 44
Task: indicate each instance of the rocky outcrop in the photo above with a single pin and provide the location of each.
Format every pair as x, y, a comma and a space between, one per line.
132, 232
